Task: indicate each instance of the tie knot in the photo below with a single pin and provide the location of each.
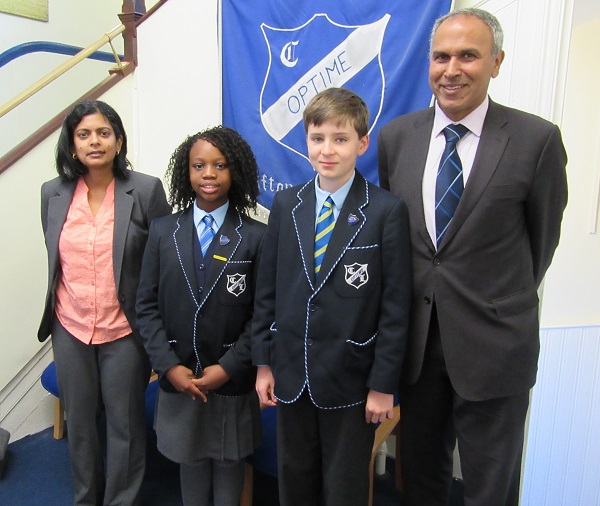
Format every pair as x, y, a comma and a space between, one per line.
208, 221
454, 133
328, 201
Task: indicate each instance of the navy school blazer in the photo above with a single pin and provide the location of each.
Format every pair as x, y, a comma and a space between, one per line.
344, 333
182, 322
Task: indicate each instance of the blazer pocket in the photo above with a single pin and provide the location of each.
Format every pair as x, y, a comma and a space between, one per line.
235, 286
359, 356
358, 272
516, 303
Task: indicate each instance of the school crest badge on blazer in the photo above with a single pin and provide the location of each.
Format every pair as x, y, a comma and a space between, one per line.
236, 284
357, 274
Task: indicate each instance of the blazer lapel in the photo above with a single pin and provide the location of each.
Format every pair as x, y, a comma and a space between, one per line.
491, 147
58, 208
227, 240
349, 222
417, 158
304, 218
184, 234
123, 208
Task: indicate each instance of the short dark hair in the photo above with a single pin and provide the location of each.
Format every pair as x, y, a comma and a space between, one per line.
338, 105
69, 168
240, 162
487, 17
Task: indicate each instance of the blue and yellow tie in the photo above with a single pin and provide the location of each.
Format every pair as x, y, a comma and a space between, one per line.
325, 224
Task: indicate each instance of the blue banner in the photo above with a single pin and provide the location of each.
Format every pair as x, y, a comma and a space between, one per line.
278, 54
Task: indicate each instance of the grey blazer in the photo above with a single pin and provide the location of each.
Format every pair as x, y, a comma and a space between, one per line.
138, 200
485, 275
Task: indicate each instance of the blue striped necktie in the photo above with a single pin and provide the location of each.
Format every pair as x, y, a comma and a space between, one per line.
449, 185
325, 224
207, 234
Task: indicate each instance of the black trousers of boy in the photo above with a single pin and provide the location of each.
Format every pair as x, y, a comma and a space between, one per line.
323, 454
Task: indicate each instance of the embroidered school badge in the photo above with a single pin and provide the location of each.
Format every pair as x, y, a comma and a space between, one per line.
352, 219
236, 284
357, 274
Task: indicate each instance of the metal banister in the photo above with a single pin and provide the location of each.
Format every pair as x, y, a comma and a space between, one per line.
60, 70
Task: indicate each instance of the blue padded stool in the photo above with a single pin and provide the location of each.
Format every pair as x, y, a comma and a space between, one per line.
50, 383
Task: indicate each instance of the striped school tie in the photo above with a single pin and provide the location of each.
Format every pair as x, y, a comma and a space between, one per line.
207, 234
449, 185
325, 224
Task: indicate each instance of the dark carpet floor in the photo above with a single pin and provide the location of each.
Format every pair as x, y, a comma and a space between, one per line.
37, 473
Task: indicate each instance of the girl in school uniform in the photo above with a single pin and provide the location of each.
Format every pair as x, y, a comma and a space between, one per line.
194, 307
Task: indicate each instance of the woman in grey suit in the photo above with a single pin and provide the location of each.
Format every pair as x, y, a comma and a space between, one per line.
95, 218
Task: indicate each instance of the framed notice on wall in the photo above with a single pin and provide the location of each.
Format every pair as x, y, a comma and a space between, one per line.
34, 9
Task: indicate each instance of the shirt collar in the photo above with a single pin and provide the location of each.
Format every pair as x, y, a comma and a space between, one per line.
473, 121
218, 215
339, 197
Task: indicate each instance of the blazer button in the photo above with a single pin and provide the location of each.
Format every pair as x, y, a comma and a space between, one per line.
201, 267
309, 342
427, 300
313, 308
200, 290
436, 261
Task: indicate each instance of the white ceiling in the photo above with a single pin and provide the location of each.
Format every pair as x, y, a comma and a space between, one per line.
585, 10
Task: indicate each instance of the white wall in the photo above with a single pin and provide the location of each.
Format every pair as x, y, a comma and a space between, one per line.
70, 22
571, 295
178, 80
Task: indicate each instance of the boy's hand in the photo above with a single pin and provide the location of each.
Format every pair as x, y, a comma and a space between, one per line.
265, 385
379, 407
183, 380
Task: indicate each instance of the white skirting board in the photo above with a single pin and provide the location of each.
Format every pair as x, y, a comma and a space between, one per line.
562, 460
25, 406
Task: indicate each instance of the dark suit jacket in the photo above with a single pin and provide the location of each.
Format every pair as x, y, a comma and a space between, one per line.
197, 326
344, 333
138, 200
485, 275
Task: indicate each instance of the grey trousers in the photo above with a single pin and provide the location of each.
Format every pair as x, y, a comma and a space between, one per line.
111, 376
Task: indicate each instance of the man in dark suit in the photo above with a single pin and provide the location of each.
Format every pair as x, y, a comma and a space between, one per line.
474, 339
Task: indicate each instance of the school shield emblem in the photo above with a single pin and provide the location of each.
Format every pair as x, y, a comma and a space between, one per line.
357, 274
236, 284
317, 55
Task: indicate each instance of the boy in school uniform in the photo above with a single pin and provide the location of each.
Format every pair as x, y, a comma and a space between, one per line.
331, 312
